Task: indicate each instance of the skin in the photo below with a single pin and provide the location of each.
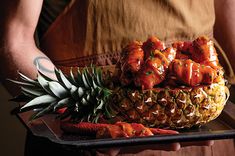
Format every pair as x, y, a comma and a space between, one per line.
18, 52
141, 148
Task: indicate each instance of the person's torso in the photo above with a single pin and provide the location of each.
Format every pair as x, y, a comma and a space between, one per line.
96, 30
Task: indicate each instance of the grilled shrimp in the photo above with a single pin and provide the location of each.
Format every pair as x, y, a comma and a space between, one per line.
191, 73
203, 52
154, 70
152, 44
182, 49
131, 61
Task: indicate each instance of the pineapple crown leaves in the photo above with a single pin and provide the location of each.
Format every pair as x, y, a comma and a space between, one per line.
83, 96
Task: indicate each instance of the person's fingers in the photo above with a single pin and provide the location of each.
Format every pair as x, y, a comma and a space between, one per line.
197, 143
113, 151
164, 147
137, 149
108, 151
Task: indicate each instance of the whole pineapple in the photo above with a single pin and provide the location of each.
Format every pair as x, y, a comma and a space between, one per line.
156, 96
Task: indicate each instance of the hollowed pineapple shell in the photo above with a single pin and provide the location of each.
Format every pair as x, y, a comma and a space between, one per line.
170, 108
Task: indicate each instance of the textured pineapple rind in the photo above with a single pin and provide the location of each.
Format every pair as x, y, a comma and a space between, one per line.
170, 108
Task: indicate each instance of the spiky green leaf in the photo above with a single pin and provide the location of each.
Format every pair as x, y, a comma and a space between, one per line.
88, 118
45, 76
99, 76
41, 100
84, 102
42, 112
74, 92
64, 103
57, 89
89, 98
62, 78
33, 92
30, 96
94, 84
99, 107
27, 84
96, 118
93, 92
72, 78
27, 79
79, 78
88, 76
100, 104
81, 92
84, 80
44, 83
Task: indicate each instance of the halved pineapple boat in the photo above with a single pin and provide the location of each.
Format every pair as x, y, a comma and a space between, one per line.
175, 87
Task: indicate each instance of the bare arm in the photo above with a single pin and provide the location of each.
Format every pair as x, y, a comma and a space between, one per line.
225, 27
18, 51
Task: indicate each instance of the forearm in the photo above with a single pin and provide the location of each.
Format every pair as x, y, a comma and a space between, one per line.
225, 27
25, 58
18, 51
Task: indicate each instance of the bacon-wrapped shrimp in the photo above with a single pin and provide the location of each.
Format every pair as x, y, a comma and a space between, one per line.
131, 60
203, 52
154, 70
191, 73
182, 49
152, 44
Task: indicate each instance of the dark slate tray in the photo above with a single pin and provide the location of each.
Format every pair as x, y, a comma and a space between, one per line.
48, 127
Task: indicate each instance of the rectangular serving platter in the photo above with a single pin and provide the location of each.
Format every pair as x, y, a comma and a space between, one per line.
48, 127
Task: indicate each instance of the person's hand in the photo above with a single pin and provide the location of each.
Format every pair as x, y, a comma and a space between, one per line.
164, 147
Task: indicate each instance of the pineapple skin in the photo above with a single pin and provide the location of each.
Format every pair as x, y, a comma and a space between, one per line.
169, 108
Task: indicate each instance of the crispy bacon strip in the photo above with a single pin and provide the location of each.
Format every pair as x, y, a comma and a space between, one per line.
120, 129
81, 128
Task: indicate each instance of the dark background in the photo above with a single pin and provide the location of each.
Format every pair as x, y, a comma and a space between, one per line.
12, 132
